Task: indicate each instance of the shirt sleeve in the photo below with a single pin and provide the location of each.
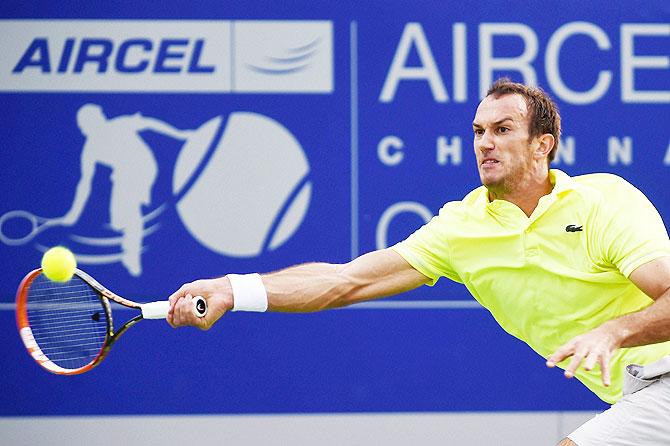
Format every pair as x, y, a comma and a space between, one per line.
427, 249
631, 232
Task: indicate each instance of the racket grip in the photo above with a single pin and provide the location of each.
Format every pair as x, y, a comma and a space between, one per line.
155, 310
200, 308
159, 310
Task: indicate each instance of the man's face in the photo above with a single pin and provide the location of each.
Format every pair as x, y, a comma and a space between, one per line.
502, 147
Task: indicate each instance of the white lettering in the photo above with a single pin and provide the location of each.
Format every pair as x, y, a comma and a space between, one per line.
566, 152
413, 36
666, 160
554, 72
460, 67
390, 213
630, 62
619, 151
488, 64
447, 151
390, 150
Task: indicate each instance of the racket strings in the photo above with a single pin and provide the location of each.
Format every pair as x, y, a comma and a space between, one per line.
68, 321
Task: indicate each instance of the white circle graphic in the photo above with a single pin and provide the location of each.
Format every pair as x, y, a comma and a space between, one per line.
254, 191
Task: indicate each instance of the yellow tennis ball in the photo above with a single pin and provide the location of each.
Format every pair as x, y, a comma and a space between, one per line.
58, 264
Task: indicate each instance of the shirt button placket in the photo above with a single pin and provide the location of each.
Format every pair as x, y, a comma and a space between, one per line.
530, 245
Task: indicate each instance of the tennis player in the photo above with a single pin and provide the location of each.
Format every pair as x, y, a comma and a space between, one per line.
577, 267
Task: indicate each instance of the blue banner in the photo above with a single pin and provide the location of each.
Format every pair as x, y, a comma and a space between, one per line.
163, 145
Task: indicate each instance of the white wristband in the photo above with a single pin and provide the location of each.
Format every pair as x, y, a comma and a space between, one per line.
248, 292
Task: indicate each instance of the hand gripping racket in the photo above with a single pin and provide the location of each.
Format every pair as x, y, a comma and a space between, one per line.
67, 327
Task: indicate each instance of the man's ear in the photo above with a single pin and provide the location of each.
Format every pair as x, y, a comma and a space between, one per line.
546, 142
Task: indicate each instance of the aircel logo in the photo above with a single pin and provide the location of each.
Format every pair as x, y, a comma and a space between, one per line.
174, 56
131, 56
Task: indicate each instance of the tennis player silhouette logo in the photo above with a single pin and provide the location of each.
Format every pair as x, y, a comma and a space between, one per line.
240, 189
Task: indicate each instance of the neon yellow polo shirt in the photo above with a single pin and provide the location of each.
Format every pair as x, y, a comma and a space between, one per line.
556, 274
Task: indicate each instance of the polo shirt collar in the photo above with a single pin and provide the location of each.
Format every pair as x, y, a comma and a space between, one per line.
562, 182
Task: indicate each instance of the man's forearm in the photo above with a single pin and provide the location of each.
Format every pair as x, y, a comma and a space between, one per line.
317, 286
299, 289
648, 326
306, 288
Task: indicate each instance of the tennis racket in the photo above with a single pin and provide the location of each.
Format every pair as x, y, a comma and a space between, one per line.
67, 327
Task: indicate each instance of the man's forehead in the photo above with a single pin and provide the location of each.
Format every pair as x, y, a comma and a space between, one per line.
493, 109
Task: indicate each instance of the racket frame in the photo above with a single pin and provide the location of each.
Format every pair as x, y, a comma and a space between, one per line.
111, 336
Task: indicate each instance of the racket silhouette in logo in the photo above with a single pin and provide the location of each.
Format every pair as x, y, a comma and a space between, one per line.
36, 225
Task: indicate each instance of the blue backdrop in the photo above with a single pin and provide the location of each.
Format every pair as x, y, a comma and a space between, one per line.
365, 111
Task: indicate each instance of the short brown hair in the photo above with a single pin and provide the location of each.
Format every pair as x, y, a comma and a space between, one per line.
543, 113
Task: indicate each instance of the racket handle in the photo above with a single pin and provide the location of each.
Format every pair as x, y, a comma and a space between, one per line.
159, 310
200, 308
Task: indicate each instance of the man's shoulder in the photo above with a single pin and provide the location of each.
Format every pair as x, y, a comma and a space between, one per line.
476, 197
601, 180
456, 210
608, 191
603, 185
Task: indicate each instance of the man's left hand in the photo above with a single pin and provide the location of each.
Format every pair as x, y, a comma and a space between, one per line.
594, 347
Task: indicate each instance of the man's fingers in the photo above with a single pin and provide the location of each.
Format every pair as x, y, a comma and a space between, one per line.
605, 371
174, 300
173, 314
178, 313
563, 352
183, 309
587, 350
574, 364
180, 293
591, 360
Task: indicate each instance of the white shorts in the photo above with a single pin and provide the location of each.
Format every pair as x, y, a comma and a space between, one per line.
640, 418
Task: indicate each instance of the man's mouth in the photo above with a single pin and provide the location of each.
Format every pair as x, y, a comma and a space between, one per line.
489, 161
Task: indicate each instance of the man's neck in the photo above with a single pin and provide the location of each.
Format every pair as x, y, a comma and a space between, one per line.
526, 193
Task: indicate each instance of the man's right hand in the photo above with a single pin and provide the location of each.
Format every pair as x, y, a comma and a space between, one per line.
217, 292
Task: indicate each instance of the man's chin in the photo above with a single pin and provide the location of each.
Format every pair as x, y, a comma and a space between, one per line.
490, 181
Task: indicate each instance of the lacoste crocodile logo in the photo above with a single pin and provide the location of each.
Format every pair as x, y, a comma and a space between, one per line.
573, 228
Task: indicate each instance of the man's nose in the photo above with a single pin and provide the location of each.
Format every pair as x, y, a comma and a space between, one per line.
486, 142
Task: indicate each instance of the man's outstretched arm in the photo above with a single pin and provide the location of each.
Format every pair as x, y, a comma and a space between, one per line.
304, 288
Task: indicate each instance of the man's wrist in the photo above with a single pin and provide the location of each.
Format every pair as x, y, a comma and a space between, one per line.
226, 292
248, 292
617, 330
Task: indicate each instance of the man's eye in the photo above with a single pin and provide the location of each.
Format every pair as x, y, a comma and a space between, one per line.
503, 129
479, 132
